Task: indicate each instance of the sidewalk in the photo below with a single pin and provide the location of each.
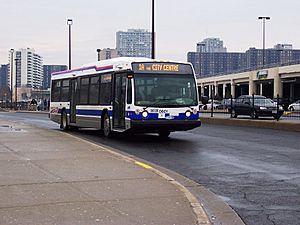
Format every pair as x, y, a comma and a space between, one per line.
49, 177
287, 124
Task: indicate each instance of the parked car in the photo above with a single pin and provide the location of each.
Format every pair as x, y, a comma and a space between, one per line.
284, 102
215, 104
262, 106
294, 106
201, 105
225, 103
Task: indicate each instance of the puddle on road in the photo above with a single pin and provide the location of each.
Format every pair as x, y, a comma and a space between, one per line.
7, 128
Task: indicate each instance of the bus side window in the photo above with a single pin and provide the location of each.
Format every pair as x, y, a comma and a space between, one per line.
94, 90
65, 90
56, 85
105, 89
84, 91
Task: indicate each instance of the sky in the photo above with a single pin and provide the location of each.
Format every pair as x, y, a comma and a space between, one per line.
41, 24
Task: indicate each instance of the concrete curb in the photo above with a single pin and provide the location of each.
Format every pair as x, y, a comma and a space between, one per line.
37, 112
199, 212
24, 111
208, 207
269, 124
219, 212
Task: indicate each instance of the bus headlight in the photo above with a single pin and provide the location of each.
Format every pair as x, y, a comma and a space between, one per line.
188, 113
144, 114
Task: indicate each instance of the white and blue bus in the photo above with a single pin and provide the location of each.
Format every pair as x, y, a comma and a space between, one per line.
137, 95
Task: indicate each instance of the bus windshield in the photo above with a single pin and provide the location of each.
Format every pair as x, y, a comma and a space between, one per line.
170, 90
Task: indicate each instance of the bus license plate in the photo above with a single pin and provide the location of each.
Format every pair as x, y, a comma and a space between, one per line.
161, 115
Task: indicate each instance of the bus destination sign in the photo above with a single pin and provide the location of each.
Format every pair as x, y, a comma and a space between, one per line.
159, 67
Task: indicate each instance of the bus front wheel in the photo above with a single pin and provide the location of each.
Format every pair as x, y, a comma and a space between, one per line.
106, 126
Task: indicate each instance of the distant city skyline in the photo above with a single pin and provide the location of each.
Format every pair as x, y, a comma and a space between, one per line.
42, 25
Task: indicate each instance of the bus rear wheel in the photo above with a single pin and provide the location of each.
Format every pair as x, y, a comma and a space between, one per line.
106, 126
64, 121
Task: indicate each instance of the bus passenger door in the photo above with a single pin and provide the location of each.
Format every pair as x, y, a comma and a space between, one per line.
73, 99
119, 100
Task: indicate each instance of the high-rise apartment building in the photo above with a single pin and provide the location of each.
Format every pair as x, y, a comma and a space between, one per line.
273, 56
25, 72
27, 68
211, 45
134, 43
207, 64
3, 75
4, 90
108, 53
283, 46
48, 70
209, 61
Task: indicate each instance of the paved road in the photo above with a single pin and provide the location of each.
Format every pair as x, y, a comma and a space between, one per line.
256, 171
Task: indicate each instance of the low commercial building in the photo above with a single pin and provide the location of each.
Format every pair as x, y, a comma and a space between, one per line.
282, 81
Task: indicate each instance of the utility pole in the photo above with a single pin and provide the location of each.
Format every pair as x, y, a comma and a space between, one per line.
153, 32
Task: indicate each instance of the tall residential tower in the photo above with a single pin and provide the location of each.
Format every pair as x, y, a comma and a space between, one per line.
27, 68
211, 45
48, 70
134, 43
25, 71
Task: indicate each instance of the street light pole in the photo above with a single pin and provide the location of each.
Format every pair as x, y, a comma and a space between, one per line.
153, 34
98, 53
69, 23
16, 87
11, 77
264, 18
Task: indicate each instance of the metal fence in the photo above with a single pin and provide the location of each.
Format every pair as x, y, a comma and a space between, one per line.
253, 106
24, 105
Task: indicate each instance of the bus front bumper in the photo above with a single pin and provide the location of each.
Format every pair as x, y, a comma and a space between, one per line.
163, 125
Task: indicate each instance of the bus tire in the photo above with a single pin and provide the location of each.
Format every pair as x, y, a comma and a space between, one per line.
164, 134
64, 121
106, 126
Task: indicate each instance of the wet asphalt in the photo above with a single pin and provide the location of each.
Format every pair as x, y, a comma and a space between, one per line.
256, 171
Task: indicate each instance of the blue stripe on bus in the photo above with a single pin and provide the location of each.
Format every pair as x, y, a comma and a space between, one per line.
87, 112
133, 116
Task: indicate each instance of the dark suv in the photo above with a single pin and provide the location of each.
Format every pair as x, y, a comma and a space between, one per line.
261, 106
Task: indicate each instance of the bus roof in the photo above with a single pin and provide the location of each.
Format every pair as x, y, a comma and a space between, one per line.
120, 63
